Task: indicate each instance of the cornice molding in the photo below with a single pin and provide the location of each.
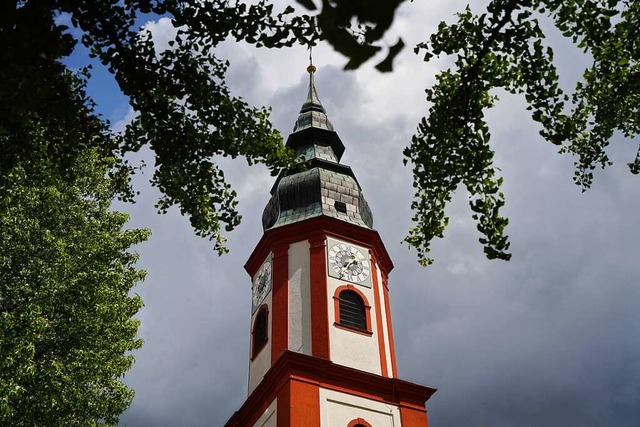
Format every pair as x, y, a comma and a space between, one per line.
292, 366
318, 227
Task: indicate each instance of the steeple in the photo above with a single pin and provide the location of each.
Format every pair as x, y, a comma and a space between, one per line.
322, 352
321, 186
313, 134
312, 113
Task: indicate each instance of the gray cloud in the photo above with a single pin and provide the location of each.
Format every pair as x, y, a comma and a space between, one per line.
549, 338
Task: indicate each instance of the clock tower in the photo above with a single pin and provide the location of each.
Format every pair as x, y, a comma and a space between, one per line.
322, 351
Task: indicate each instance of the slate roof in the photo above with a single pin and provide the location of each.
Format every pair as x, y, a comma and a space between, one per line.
321, 185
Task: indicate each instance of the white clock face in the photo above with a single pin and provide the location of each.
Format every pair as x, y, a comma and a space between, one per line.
261, 284
346, 262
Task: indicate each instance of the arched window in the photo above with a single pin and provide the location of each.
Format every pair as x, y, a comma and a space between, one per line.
260, 331
352, 310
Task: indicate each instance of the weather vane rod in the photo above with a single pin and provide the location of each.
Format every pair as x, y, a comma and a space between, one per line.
311, 68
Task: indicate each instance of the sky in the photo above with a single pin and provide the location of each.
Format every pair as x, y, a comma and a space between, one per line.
549, 338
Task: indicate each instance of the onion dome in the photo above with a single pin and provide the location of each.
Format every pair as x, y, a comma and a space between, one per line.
321, 185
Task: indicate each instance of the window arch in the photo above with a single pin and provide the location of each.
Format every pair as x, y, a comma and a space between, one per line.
260, 332
359, 422
352, 310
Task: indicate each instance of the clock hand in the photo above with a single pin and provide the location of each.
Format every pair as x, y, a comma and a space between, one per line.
346, 265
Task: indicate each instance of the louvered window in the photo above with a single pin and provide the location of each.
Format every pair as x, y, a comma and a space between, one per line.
352, 312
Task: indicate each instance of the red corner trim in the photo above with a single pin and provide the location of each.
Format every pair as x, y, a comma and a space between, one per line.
305, 404
412, 417
318, 295
378, 306
392, 347
283, 413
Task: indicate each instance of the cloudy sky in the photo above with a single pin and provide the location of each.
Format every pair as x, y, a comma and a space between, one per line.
550, 338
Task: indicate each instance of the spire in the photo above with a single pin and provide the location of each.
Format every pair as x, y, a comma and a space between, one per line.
320, 185
312, 114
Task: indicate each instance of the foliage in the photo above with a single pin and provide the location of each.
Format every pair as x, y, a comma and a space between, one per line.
188, 117
66, 326
358, 42
66, 322
504, 47
186, 113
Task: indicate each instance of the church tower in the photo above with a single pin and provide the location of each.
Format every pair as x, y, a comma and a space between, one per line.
322, 352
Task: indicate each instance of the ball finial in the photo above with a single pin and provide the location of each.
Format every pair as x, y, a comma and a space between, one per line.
311, 69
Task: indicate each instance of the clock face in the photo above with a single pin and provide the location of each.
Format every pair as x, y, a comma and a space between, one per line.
346, 262
261, 284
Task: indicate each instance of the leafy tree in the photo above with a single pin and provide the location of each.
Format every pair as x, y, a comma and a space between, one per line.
66, 273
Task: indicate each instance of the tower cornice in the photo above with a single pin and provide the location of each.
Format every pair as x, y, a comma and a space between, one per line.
292, 366
314, 227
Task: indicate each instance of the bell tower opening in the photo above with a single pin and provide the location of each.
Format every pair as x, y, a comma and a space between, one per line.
352, 313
